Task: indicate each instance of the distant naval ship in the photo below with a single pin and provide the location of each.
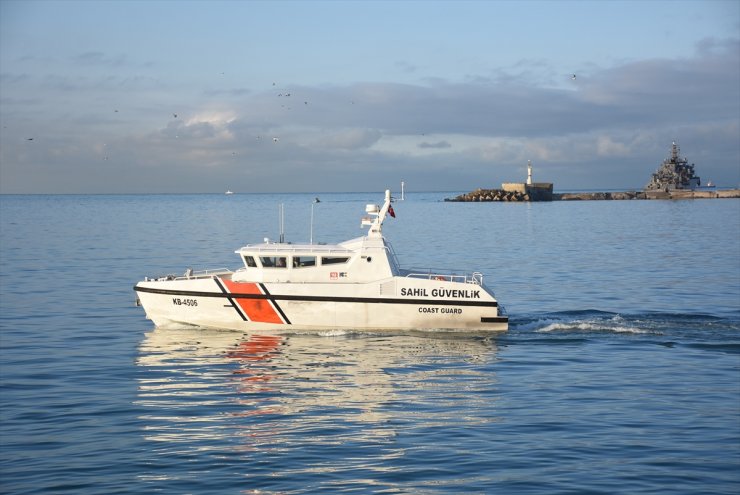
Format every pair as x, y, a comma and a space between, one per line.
675, 173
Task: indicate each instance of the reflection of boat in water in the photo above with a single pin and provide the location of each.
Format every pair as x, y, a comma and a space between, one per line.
205, 387
356, 284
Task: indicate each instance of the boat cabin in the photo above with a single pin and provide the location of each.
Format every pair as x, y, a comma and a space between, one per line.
364, 259
360, 260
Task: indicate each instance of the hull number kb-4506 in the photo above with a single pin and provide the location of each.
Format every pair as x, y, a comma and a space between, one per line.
184, 302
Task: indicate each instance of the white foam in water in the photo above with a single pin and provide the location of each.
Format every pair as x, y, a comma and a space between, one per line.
614, 324
332, 332
335, 332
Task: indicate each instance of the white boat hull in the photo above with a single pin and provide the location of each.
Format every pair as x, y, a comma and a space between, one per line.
397, 303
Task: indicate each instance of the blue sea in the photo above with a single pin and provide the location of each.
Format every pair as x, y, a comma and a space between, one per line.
620, 372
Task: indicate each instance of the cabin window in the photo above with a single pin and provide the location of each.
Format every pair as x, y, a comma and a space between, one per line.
249, 260
333, 260
304, 261
273, 261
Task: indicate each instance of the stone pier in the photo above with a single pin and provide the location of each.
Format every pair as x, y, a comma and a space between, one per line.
501, 195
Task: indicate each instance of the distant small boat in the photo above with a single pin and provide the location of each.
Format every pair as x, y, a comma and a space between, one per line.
229, 192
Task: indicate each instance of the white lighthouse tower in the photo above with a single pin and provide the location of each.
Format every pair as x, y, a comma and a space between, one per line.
536, 191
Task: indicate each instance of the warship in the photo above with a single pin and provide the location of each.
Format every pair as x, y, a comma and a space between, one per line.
674, 173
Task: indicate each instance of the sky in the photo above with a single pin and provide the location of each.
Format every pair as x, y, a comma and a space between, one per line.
341, 96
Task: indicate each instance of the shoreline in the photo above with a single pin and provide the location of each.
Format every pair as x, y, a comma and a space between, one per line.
499, 195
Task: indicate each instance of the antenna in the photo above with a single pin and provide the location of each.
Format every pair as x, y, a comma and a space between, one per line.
316, 200
281, 222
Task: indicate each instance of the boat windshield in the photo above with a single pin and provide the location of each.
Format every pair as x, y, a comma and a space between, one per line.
273, 261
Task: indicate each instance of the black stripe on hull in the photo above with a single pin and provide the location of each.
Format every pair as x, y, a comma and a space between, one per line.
273, 298
494, 319
228, 296
274, 303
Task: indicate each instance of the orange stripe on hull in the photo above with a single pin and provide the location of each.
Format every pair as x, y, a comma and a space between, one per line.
259, 310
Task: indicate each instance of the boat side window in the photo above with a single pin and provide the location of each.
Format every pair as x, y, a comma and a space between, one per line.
333, 260
304, 261
249, 260
273, 261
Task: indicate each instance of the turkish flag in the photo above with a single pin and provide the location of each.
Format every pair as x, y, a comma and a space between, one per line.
391, 212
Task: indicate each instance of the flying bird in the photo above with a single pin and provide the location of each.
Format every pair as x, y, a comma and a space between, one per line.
573, 77
174, 115
275, 140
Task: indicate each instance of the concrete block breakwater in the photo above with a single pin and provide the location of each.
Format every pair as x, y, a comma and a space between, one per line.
486, 195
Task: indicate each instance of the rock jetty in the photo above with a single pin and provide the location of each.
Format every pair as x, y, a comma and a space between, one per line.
484, 195
491, 195
675, 194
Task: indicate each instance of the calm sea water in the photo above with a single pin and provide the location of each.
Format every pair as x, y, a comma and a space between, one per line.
620, 373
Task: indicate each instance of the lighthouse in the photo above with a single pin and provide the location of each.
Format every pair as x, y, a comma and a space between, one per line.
530, 190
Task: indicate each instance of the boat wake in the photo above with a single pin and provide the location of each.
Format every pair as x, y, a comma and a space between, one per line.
592, 321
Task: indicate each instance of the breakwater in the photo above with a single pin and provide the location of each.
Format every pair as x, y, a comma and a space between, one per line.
491, 195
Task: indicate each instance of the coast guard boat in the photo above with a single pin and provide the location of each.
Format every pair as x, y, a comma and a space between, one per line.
353, 285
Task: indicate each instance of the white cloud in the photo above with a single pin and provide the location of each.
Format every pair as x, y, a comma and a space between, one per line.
349, 139
216, 118
606, 146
